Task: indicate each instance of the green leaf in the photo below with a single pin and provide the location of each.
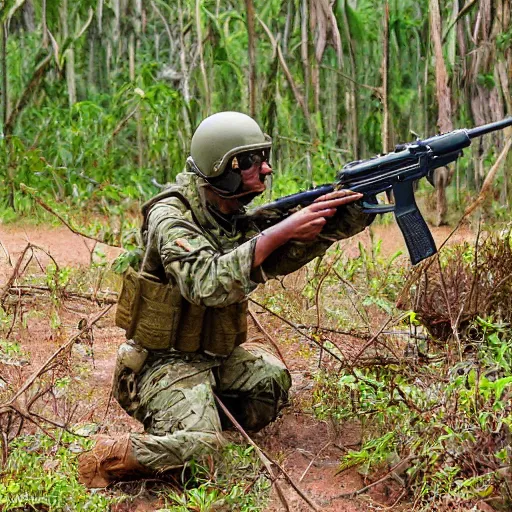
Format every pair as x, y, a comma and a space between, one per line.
499, 386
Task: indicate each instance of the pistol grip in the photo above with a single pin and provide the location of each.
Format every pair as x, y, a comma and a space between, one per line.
417, 235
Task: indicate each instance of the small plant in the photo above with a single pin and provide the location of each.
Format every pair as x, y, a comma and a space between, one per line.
443, 414
234, 482
40, 474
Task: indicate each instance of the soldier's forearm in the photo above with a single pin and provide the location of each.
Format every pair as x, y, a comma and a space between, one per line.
268, 241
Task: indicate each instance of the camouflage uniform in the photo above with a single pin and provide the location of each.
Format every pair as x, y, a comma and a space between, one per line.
210, 259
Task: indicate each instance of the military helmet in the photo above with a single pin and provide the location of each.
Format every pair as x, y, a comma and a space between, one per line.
217, 140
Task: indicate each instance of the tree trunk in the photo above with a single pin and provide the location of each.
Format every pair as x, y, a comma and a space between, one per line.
183, 56
116, 37
504, 62
451, 37
108, 61
131, 57
44, 25
5, 108
70, 55
287, 26
5, 96
249, 7
443, 175
99, 16
28, 16
201, 58
352, 103
386, 138
70, 76
91, 73
304, 53
486, 103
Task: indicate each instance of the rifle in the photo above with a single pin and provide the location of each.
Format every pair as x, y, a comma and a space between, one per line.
396, 171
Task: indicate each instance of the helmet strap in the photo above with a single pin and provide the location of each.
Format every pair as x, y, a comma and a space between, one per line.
235, 182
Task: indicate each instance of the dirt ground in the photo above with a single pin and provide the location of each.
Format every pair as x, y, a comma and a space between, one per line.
308, 449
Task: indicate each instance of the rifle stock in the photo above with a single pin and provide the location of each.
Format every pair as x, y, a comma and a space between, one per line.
396, 171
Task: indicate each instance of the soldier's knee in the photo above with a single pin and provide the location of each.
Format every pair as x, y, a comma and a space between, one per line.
266, 400
276, 382
261, 404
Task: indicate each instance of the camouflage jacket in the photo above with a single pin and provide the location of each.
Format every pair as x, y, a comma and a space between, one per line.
210, 258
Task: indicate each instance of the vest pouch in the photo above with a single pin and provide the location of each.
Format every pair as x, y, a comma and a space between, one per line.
225, 329
188, 337
155, 310
127, 302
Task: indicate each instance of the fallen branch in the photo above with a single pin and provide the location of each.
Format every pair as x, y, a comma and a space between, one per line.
267, 461
296, 328
14, 274
43, 205
268, 336
389, 474
16, 271
107, 297
484, 191
10, 404
326, 445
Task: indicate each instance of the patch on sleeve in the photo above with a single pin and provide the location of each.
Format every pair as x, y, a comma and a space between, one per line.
181, 242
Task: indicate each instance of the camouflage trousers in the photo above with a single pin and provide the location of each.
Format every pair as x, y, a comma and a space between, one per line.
173, 397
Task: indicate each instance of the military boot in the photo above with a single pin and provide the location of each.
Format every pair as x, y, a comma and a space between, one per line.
110, 460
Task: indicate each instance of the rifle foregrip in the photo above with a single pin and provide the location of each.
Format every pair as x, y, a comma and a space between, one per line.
418, 238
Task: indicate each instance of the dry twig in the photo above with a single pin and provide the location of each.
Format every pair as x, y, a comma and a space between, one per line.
297, 328
267, 461
41, 203
268, 336
15, 407
389, 474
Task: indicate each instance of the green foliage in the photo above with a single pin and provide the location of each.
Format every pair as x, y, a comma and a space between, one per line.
11, 353
486, 80
134, 116
440, 417
440, 412
41, 475
373, 453
236, 484
504, 40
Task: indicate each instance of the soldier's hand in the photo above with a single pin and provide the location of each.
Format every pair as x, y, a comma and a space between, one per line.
304, 225
307, 223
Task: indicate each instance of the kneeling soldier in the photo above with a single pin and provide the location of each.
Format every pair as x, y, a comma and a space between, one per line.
185, 312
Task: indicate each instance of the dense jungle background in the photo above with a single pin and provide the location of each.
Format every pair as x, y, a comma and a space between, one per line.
402, 396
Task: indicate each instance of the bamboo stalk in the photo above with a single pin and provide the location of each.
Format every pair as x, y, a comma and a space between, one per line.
249, 7
384, 70
45, 27
70, 56
5, 98
201, 57
183, 57
354, 114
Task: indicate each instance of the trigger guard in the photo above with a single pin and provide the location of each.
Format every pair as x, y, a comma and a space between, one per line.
373, 208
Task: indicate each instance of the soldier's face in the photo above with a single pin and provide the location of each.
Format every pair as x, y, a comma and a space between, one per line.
253, 179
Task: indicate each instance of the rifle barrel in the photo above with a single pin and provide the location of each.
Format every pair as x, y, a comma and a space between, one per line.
487, 128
